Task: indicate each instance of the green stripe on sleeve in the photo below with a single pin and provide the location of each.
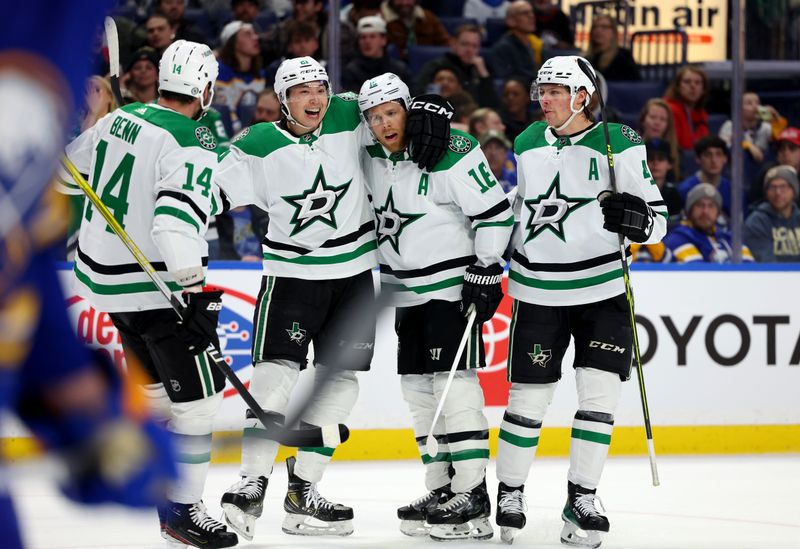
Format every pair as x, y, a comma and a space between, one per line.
508, 222
178, 214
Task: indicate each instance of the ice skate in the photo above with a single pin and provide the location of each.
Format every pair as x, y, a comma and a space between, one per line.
243, 503
310, 514
413, 517
463, 516
511, 509
188, 524
584, 526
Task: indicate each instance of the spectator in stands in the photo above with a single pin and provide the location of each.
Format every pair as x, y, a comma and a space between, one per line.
408, 24
553, 25
141, 77
463, 107
276, 40
515, 112
514, 54
469, 67
371, 59
160, 33
686, 96
711, 154
655, 122
772, 232
605, 54
496, 146
659, 163
484, 120
699, 238
787, 154
99, 101
241, 77
354, 12
481, 10
303, 41
445, 82
757, 131
245, 11
174, 10
268, 108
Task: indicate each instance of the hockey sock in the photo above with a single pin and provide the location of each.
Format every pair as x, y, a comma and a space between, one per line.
271, 386
333, 402
598, 395
519, 430
191, 424
588, 449
516, 448
418, 394
467, 428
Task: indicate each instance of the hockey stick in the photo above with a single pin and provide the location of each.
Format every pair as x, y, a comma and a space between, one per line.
112, 41
431, 445
329, 435
651, 451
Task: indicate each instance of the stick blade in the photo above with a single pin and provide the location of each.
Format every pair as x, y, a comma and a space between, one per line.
431, 446
112, 40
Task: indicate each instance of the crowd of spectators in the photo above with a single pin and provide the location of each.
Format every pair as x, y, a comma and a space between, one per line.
483, 60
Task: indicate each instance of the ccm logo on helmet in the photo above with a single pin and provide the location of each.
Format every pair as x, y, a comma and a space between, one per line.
432, 107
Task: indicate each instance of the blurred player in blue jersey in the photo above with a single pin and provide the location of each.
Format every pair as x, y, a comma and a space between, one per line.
76, 404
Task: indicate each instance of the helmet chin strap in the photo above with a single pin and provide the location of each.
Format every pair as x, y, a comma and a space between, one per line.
572, 116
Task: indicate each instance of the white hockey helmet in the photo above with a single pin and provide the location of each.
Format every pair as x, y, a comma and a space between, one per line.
188, 68
565, 71
299, 70
382, 89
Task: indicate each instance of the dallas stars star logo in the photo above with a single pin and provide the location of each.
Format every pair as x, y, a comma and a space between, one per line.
550, 210
296, 334
316, 204
539, 356
392, 222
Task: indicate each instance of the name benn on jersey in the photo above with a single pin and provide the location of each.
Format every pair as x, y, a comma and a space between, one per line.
392, 222
550, 210
318, 203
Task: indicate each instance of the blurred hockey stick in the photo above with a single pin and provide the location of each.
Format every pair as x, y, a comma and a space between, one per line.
431, 446
626, 276
329, 435
112, 41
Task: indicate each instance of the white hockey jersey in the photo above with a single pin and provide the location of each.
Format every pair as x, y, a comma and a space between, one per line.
431, 226
563, 255
153, 168
321, 225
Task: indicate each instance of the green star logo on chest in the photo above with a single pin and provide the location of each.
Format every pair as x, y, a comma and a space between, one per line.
318, 203
391, 223
550, 210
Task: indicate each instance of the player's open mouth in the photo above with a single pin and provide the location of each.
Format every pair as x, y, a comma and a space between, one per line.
312, 113
390, 136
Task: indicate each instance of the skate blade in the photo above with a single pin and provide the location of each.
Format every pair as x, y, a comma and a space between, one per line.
304, 525
477, 529
242, 523
575, 536
507, 534
415, 528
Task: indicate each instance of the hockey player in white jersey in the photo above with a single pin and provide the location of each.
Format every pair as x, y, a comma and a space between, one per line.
152, 166
319, 252
441, 234
566, 281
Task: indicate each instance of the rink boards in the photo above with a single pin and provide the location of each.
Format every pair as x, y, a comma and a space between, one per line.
720, 346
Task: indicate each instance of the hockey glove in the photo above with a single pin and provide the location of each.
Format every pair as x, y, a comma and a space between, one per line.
198, 328
627, 215
428, 129
482, 291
